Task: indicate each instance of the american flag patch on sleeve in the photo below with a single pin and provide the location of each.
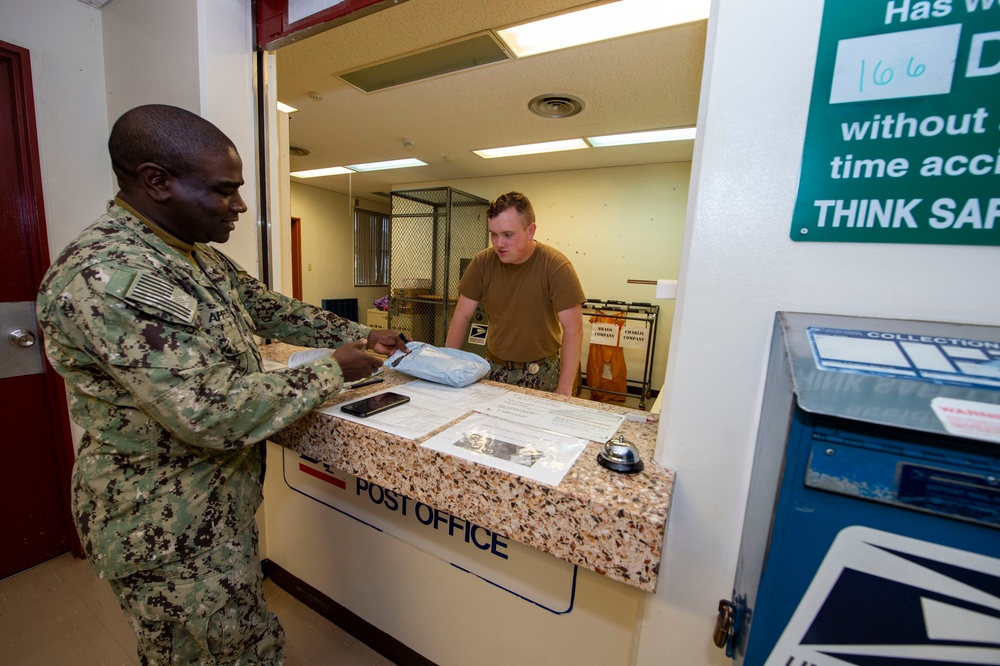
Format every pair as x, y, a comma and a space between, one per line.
149, 289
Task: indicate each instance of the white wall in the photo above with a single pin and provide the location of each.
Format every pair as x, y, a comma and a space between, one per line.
739, 267
327, 235
614, 224
195, 54
67, 67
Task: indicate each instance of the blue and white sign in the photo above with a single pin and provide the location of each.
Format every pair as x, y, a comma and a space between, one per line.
929, 358
531, 574
881, 598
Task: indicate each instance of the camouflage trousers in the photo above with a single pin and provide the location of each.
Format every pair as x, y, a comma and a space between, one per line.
546, 379
208, 610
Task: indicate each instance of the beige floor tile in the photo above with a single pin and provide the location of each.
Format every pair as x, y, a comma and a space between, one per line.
362, 655
117, 626
60, 612
34, 609
312, 640
87, 643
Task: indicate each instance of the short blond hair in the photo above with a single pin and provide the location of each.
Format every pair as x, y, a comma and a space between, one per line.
514, 200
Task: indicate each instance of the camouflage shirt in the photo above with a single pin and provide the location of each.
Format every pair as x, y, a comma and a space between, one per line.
164, 376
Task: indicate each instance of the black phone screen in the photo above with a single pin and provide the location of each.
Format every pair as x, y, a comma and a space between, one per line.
375, 404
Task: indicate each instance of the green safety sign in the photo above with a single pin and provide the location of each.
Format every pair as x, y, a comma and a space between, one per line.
903, 137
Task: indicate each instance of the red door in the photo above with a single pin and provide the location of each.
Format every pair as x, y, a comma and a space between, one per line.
34, 439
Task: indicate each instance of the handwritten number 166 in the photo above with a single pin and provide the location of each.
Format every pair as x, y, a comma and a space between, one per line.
882, 76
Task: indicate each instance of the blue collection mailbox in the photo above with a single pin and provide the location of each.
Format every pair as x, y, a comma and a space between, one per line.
872, 531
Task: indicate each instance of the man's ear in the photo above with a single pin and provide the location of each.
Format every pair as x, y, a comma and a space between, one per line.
154, 180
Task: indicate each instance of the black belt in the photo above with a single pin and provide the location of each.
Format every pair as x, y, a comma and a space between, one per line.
514, 365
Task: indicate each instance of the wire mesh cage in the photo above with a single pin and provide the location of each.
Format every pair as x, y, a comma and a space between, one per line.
433, 231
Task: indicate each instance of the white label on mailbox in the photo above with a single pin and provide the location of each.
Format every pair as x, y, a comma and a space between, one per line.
965, 418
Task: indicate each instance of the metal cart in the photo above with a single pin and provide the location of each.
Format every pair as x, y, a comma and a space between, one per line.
623, 312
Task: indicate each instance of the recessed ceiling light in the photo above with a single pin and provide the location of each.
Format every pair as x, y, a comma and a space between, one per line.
594, 24
532, 148
391, 164
632, 138
316, 173
286, 108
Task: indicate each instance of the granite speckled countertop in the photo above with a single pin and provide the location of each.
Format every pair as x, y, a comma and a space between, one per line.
604, 521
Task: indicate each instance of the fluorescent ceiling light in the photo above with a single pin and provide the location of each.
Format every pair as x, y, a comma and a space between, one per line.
391, 164
286, 108
532, 148
631, 138
594, 24
316, 173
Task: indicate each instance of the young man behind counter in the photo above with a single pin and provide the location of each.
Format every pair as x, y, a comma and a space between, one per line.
153, 330
532, 297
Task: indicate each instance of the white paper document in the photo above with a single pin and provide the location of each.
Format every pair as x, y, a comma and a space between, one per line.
307, 355
272, 366
560, 417
510, 446
468, 397
431, 406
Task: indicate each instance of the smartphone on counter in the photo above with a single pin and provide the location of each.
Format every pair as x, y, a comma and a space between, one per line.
375, 404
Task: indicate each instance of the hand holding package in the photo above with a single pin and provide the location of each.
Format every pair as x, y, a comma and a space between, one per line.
443, 365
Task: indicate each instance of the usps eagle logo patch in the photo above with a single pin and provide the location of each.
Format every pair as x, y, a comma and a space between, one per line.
882, 599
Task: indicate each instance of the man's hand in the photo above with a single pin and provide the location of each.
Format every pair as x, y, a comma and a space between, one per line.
385, 341
355, 363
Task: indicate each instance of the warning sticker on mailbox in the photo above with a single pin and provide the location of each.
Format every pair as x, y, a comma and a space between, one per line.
885, 599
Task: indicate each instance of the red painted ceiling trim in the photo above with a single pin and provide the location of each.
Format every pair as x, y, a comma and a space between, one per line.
273, 28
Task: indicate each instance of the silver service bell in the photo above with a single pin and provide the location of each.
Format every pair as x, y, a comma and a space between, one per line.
620, 456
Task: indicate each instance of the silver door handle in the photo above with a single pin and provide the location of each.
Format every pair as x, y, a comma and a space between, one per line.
21, 338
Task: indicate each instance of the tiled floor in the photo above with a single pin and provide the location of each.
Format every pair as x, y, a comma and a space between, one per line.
60, 613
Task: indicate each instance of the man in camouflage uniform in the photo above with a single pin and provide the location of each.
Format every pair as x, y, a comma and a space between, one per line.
153, 331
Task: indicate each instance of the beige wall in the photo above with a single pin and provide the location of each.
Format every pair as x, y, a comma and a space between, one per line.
327, 234
186, 61
63, 38
614, 224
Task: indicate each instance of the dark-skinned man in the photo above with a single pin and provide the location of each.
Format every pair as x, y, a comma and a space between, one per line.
153, 330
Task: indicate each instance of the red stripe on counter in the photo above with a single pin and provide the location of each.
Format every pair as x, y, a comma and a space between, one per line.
322, 476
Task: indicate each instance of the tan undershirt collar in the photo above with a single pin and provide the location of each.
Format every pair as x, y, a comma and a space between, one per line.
186, 249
